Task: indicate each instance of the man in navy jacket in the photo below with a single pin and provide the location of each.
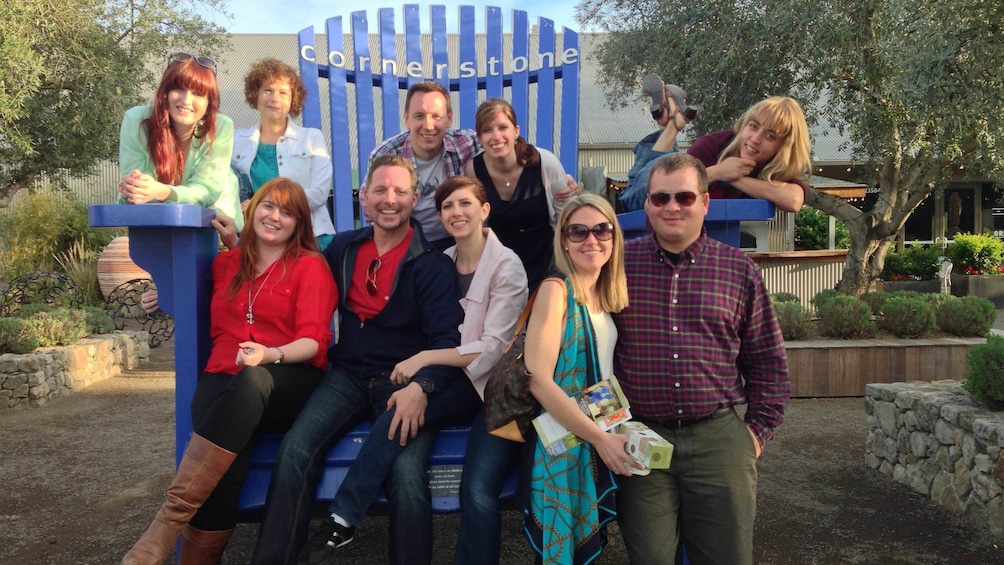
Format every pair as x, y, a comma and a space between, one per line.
397, 296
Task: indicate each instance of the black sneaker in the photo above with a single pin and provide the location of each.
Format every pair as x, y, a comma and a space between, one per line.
329, 537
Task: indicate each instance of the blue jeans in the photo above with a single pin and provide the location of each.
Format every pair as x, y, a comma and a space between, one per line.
340, 401
487, 465
634, 194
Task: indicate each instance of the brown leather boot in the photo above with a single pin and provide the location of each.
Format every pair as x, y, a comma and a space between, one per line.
200, 470
201, 547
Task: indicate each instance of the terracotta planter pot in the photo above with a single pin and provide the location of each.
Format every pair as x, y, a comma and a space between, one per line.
115, 267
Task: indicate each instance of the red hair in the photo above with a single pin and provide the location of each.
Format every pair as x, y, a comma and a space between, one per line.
289, 196
162, 141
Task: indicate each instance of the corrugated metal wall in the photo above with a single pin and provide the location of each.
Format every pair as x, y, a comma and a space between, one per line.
99, 188
801, 276
615, 160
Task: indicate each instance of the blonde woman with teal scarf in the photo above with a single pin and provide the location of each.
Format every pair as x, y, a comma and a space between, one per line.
569, 346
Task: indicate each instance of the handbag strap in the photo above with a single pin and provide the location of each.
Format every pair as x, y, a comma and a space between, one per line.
521, 322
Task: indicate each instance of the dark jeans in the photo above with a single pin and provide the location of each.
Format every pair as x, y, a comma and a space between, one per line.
455, 404
488, 462
339, 402
229, 410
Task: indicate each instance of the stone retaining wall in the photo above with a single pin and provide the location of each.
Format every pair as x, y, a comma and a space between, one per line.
935, 439
33, 378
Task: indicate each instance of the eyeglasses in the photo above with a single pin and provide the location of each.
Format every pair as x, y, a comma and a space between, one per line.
371, 287
684, 198
578, 233
182, 57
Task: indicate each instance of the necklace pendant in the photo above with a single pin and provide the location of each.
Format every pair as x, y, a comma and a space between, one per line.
250, 317
507, 184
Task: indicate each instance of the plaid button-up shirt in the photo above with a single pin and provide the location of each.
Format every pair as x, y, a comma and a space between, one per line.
461, 146
700, 335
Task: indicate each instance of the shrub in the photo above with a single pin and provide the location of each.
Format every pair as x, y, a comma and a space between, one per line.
782, 297
875, 300
935, 299
966, 316
41, 225
794, 319
81, 265
915, 262
820, 300
812, 231
907, 317
985, 379
30, 310
976, 254
58, 327
98, 320
16, 336
846, 317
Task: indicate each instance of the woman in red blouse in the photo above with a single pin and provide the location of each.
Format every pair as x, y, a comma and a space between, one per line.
270, 321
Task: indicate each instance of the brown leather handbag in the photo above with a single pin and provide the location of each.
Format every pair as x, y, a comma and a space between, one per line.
509, 406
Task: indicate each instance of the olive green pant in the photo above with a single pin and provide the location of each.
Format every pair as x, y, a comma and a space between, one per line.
706, 499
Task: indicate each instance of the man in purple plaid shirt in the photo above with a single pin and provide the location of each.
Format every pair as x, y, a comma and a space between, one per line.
698, 338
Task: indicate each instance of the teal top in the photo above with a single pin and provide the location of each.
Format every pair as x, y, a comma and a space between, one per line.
265, 166
206, 180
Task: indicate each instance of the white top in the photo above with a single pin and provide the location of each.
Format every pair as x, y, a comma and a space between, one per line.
606, 338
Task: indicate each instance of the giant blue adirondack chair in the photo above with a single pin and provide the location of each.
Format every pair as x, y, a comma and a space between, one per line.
176, 243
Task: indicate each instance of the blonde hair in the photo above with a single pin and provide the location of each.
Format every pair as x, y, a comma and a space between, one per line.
783, 115
611, 287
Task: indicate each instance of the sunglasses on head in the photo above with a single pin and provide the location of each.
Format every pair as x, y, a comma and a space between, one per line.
684, 198
182, 57
371, 287
578, 233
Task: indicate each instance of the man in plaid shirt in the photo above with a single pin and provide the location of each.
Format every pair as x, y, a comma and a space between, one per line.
698, 338
437, 151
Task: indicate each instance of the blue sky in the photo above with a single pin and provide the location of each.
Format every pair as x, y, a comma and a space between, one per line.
290, 16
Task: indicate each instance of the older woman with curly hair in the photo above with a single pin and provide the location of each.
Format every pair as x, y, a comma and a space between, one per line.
277, 147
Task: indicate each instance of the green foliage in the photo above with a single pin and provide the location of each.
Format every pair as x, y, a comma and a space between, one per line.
98, 320
935, 299
875, 300
781, 297
81, 265
822, 298
58, 327
812, 231
907, 317
16, 336
846, 317
41, 226
966, 316
916, 262
980, 254
794, 319
915, 85
29, 310
72, 68
985, 379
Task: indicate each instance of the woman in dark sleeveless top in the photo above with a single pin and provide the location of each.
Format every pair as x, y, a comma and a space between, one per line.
521, 181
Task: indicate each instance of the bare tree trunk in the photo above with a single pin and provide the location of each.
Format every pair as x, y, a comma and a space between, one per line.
865, 260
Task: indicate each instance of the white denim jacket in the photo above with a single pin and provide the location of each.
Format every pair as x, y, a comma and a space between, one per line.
302, 156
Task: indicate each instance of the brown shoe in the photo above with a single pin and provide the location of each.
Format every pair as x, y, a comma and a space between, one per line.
201, 547
199, 472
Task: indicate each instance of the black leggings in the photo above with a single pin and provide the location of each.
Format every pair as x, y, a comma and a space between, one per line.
229, 410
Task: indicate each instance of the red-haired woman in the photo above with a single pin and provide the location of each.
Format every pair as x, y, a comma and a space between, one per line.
270, 320
178, 148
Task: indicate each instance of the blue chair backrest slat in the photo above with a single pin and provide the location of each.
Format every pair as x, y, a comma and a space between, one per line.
365, 117
389, 85
468, 82
520, 86
440, 47
493, 52
412, 39
545, 92
569, 150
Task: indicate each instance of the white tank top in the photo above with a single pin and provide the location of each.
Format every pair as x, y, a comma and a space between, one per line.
606, 339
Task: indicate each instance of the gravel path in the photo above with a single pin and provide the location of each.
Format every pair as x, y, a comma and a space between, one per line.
81, 477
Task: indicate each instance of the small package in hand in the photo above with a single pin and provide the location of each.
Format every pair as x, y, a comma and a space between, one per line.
646, 447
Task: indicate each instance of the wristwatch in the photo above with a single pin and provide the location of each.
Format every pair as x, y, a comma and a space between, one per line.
426, 383
282, 356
